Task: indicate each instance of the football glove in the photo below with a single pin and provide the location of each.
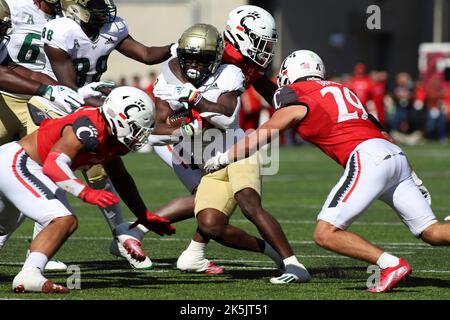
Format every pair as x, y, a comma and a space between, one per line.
94, 89
192, 128
181, 93
100, 198
62, 97
219, 161
155, 223
419, 183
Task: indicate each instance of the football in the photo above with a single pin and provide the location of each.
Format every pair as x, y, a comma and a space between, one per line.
178, 117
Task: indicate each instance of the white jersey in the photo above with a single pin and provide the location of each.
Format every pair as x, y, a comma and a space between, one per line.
227, 78
25, 46
89, 56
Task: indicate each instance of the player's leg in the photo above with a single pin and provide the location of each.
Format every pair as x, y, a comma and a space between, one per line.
245, 182
193, 257
405, 198
6, 205
214, 205
369, 173
38, 198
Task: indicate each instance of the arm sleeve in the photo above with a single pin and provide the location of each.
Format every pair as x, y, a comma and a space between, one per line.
57, 167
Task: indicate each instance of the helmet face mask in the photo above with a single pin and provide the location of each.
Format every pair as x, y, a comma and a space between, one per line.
252, 30
92, 13
200, 51
5, 22
129, 113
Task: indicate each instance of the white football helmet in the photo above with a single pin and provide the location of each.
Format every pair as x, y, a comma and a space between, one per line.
252, 30
130, 114
300, 64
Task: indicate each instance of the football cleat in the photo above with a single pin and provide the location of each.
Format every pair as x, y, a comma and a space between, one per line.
213, 269
391, 276
32, 280
55, 265
130, 239
187, 263
119, 251
293, 273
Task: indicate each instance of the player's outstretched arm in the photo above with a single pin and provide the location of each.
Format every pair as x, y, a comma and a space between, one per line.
282, 119
135, 50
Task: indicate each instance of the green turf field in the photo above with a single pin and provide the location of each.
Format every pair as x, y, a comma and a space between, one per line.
294, 196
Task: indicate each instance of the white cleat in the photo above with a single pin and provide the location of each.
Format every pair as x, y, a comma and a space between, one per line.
119, 251
447, 218
32, 280
55, 265
293, 273
189, 262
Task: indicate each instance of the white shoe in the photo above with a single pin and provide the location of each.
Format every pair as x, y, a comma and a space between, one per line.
119, 251
32, 280
55, 265
190, 262
293, 273
447, 218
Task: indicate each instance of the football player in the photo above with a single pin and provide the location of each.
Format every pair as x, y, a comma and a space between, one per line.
249, 44
37, 174
77, 49
26, 49
330, 116
214, 90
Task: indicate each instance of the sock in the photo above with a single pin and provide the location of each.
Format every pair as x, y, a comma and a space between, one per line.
291, 260
197, 247
387, 260
271, 253
113, 214
35, 260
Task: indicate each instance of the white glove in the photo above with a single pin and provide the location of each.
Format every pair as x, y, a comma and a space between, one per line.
173, 49
93, 89
219, 161
62, 97
181, 93
192, 128
419, 183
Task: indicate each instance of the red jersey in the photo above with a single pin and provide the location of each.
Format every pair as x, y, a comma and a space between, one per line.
251, 71
91, 130
336, 121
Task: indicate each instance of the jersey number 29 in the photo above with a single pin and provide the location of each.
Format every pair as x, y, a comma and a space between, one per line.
346, 102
